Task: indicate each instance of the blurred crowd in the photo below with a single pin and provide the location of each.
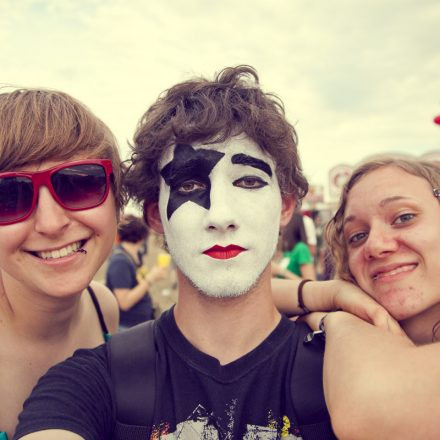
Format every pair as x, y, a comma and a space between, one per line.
301, 251
139, 272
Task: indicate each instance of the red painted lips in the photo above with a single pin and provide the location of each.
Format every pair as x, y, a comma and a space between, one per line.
224, 253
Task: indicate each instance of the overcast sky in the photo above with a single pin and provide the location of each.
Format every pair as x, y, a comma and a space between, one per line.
356, 77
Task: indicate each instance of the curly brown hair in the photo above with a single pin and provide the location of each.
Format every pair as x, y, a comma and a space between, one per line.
334, 232
38, 125
206, 111
132, 229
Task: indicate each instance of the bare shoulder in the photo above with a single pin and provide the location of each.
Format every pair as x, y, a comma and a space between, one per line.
108, 304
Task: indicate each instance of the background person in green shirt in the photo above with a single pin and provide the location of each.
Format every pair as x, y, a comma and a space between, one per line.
297, 257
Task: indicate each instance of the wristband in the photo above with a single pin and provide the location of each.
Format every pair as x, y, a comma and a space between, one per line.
305, 310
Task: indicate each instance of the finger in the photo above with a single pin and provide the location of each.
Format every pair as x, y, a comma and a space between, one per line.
375, 314
364, 307
379, 317
382, 319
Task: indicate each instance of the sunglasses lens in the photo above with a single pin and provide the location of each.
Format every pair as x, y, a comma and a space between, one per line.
80, 186
16, 195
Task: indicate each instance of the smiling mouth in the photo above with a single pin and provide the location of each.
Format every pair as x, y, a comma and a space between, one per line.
60, 253
390, 273
224, 253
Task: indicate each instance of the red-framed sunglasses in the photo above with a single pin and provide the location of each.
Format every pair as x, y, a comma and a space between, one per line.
76, 185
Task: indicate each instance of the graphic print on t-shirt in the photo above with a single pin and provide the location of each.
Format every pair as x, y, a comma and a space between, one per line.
202, 424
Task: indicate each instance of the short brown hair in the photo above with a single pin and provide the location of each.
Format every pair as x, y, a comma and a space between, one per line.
334, 230
132, 229
206, 111
37, 125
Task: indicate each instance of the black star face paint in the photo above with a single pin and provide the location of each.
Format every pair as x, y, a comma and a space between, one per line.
220, 207
188, 176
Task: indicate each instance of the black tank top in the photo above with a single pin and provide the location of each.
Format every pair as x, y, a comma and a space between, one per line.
104, 329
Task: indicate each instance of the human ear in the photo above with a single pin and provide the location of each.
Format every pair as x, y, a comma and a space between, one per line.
288, 204
152, 217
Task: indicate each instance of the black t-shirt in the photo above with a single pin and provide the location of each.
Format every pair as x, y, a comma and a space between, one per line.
196, 396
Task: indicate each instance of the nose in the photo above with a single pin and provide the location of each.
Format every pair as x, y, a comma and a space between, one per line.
50, 218
380, 243
221, 214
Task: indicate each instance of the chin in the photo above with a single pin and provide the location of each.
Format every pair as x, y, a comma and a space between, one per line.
401, 315
66, 289
216, 287
223, 293
401, 312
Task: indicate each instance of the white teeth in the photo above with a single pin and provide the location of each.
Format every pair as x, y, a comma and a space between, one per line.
59, 253
395, 271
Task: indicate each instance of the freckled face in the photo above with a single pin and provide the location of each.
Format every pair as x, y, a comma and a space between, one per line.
220, 207
392, 231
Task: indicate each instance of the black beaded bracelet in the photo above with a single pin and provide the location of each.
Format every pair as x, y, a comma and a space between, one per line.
305, 310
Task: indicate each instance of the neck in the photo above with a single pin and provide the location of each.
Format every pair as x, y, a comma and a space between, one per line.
132, 250
226, 328
35, 315
420, 328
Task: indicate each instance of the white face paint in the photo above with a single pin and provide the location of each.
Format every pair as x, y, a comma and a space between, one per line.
220, 206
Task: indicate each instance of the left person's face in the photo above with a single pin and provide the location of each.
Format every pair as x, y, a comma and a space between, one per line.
392, 232
38, 254
221, 209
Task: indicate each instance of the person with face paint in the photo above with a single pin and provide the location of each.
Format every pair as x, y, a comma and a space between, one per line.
216, 169
60, 192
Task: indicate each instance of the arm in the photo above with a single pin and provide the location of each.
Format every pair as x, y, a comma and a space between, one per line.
75, 396
277, 270
331, 295
127, 298
390, 390
308, 271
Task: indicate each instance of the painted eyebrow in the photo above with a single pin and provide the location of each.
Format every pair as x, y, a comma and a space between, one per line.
382, 204
244, 159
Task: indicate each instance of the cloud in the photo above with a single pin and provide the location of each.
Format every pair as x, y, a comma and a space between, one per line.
356, 78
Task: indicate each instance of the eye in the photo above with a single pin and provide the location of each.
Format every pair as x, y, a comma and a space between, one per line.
190, 186
404, 218
250, 182
356, 238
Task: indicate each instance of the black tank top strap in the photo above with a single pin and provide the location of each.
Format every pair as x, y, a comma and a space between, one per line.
99, 313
